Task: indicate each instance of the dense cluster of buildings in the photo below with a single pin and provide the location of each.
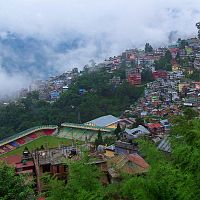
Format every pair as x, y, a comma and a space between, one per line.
185, 59
52, 88
164, 97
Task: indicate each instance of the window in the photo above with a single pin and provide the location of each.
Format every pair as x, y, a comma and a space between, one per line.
46, 168
58, 169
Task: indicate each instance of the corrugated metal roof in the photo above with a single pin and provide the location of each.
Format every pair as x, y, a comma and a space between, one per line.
165, 145
139, 130
104, 120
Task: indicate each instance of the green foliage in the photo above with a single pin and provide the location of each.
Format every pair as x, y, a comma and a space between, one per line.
83, 184
184, 62
100, 99
174, 177
148, 48
178, 58
182, 43
12, 186
147, 76
195, 75
117, 131
170, 177
165, 62
99, 139
190, 113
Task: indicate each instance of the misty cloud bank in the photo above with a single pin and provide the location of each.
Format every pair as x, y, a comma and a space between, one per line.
96, 30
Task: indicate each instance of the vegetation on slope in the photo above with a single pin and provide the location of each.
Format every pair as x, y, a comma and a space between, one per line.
12, 186
100, 98
171, 177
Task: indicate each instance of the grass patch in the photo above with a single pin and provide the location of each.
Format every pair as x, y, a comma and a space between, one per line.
46, 141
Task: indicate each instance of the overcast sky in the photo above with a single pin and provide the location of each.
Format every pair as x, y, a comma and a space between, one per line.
117, 24
122, 21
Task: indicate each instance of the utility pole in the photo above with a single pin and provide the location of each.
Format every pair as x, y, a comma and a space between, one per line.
79, 116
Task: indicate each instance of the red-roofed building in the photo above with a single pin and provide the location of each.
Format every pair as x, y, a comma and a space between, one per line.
130, 164
159, 74
20, 164
138, 160
134, 78
155, 128
12, 160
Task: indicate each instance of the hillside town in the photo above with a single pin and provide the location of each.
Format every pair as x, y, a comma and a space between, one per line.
170, 78
184, 63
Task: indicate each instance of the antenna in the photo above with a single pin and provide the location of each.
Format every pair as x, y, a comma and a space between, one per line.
198, 27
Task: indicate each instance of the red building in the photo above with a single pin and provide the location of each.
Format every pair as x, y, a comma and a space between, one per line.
155, 128
159, 74
134, 78
21, 164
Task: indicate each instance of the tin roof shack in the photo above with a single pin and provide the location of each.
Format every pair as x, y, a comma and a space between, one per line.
130, 164
125, 147
166, 124
130, 134
50, 161
164, 145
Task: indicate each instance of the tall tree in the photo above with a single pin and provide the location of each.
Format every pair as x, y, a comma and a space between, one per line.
83, 183
12, 186
117, 131
99, 139
148, 48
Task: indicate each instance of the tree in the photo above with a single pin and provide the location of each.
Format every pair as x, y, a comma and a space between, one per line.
165, 62
195, 75
99, 139
183, 44
168, 56
179, 170
190, 113
148, 48
117, 131
178, 58
12, 186
147, 76
83, 183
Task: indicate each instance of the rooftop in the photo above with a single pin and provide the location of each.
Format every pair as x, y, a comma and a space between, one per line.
104, 121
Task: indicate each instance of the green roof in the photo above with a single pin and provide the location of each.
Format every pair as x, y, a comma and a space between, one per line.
26, 132
87, 127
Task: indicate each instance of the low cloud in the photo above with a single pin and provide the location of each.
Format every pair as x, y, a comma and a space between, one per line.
11, 83
102, 28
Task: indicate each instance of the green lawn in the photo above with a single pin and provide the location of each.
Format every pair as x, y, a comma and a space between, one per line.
49, 141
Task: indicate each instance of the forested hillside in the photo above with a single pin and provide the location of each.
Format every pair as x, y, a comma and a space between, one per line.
99, 98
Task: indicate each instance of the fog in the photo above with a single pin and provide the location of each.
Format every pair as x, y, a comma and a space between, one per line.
104, 28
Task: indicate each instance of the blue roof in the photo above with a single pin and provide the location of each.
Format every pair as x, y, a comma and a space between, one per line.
104, 120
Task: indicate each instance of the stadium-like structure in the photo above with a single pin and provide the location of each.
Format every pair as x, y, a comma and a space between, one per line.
22, 138
81, 132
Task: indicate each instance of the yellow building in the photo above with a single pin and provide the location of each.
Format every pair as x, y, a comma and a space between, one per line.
176, 68
182, 85
107, 121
